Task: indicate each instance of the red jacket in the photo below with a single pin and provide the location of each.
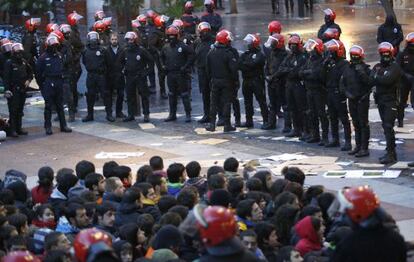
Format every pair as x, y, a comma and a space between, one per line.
39, 196
309, 239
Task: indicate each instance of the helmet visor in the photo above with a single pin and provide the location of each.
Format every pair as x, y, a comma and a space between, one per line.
52, 40
249, 39
271, 41
93, 36
310, 45
7, 47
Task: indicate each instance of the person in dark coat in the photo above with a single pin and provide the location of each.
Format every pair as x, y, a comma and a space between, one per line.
390, 31
114, 190
130, 207
30, 41
330, 16
211, 17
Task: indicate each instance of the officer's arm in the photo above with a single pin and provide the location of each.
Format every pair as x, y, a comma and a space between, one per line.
39, 71
148, 57
390, 76
233, 65
83, 57
363, 73
400, 36
7, 73
380, 38
29, 71
219, 23
283, 68
190, 56
320, 32
208, 64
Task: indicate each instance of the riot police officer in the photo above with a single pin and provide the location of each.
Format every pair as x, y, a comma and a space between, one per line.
96, 60
390, 31
355, 82
405, 60
334, 66
202, 46
222, 71
189, 19
135, 62
17, 76
30, 41
251, 64
211, 17
312, 75
385, 76
330, 16
177, 59
49, 76
5, 53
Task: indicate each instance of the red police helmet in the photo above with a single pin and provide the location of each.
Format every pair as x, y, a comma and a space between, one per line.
274, 27
178, 23
335, 46
357, 50
32, 24
51, 27
142, 18
99, 15
215, 224
20, 256
159, 21
330, 13
331, 33
52, 40
252, 39
17, 47
409, 39
99, 26
131, 35
314, 44
295, 39
151, 14
73, 18
172, 30
203, 27
107, 22
385, 48
209, 2
58, 34
188, 5
6, 45
358, 202
135, 23
65, 28
87, 237
224, 37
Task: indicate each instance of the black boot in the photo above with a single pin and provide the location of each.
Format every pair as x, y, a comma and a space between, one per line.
411, 164
355, 150
71, 118
313, 139
333, 143
237, 122
170, 118
271, 122
248, 123
362, 153
324, 141
128, 119
293, 133
389, 158
211, 127
66, 129
205, 119
172, 100
188, 117
110, 118
90, 100
49, 131
229, 128
19, 130
87, 118
220, 122
146, 118
288, 122
347, 146
120, 115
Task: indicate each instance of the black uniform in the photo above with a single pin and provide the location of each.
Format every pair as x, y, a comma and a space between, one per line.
78, 47
136, 62
295, 91
235, 102
316, 94
16, 72
177, 59
337, 108
222, 71
251, 64
386, 79
115, 78
96, 61
276, 88
324, 27
214, 19
405, 60
30, 45
66, 51
202, 47
3, 58
355, 82
49, 76
156, 39
391, 32
190, 23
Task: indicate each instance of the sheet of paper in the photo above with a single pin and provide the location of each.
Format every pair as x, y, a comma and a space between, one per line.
118, 155
211, 141
145, 126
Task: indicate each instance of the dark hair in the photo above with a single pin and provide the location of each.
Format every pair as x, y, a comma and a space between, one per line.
45, 176
231, 164
154, 180
71, 209
284, 219
166, 202
193, 169
180, 210
7, 196
214, 170
258, 196
296, 189
316, 223
20, 191
128, 232
278, 187
18, 220
170, 218
39, 210
88, 196
248, 233
65, 179
312, 193
235, 186
156, 163
294, 174
56, 256
262, 175
51, 240
131, 195
220, 197
5, 235
282, 199
93, 179
254, 184
263, 231
284, 254
146, 222
120, 245
187, 197
108, 169
244, 208
83, 168
143, 173
122, 172
144, 187
309, 210
105, 207
324, 201
16, 241
216, 182
174, 172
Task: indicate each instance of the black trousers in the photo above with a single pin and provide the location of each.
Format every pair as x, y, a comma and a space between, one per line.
317, 113
254, 87
52, 92
287, 4
76, 74
405, 88
205, 90
68, 96
16, 106
222, 96
275, 6
161, 73
96, 83
178, 86
116, 82
338, 110
296, 105
134, 83
387, 107
358, 108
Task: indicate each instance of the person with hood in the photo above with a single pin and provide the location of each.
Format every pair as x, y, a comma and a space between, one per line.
373, 237
22, 197
310, 231
114, 190
211, 17
390, 31
73, 220
65, 180
130, 207
330, 16
168, 237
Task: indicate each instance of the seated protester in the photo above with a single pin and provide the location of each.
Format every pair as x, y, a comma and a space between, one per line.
19, 221
231, 166
146, 222
175, 174
220, 197
310, 231
16, 243
267, 240
294, 174
235, 186
73, 220
114, 190
42, 192
214, 182
288, 254
261, 198
265, 177
168, 237
149, 200
249, 240
296, 189
123, 250
65, 180
181, 210
84, 168
96, 183
325, 201
108, 169
135, 236
194, 179
311, 195
165, 254
106, 219
166, 202
124, 173
284, 220
22, 198
188, 197
169, 218
311, 210
215, 170
157, 165
248, 214
91, 212
159, 183
56, 241
12, 176
143, 173
254, 184
285, 198
130, 207
36, 244
44, 217
57, 256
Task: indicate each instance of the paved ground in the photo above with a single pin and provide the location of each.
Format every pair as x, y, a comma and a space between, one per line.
133, 143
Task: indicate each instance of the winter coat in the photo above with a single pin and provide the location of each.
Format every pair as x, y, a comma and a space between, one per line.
111, 198
127, 213
40, 196
309, 239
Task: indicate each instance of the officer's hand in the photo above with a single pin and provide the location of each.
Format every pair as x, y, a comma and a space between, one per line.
8, 94
27, 83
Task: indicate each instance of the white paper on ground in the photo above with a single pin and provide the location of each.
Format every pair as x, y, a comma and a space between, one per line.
211, 141
286, 157
145, 126
118, 155
278, 138
344, 163
354, 173
391, 173
173, 137
156, 144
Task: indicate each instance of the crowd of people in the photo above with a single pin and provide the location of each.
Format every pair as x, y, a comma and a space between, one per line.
185, 213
